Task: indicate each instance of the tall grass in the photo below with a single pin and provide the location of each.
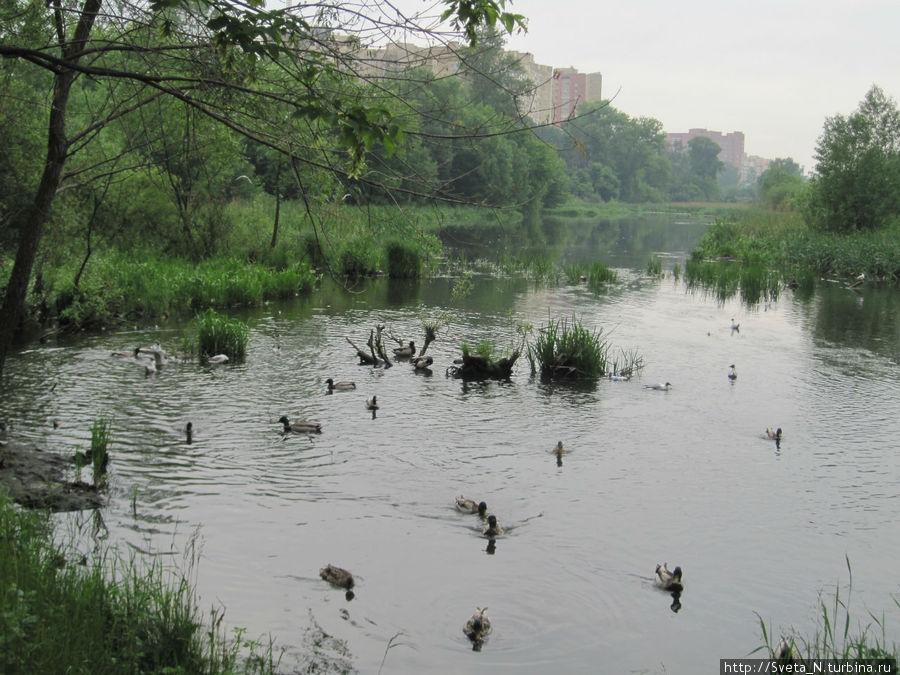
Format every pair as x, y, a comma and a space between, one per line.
836, 636
61, 612
754, 282
563, 349
654, 266
404, 261
217, 334
100, 437
599, 276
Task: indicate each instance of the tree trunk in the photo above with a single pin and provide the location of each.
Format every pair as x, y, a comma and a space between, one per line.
35, 218
277, 205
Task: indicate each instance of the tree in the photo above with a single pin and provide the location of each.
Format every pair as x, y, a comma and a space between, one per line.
780, 183
856, 185
239, 64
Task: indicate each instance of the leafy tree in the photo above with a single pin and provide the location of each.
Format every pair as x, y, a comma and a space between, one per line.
856, 185
780, 183
241, 65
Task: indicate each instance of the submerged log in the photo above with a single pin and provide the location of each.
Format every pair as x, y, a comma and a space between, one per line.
364, 359
479, 368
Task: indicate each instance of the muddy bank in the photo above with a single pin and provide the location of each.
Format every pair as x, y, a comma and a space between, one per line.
35, 478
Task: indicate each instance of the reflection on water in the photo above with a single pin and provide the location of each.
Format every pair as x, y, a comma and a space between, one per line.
685, 475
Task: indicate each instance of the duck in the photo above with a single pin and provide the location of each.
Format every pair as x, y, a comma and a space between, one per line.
405, 352
340, 386
668, 580
126, 355
372, 403
150, 368
421, 362
469, 506
338, 576
189, 432
558, 449
479, 626
300, 427
659, 387
733, 374
493, 528
157, 352
773, 435
735, 326
217, 359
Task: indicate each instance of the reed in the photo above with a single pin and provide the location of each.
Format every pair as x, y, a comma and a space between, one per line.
565, 349
600, 276
61, 612
217, 334
100, 438
837, 635
654, 267
404, 261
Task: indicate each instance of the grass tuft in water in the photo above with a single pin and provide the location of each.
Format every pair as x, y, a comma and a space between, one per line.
599, 276
217, 334
654, 267
563, 349
100, 437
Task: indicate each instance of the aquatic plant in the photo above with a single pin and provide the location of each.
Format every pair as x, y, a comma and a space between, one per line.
599, 275
833, 638
654, 266
563, 349
100, 436
217, 334
404, 261
61, 610
754, 282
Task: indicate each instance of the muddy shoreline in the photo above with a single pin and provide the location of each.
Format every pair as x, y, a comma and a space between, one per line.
37, 478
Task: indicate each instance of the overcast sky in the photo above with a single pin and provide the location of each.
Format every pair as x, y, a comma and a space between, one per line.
772, 69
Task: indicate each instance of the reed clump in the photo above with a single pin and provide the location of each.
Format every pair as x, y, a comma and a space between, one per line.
62, 612
566, 349
654, 267
218, 334
404, 261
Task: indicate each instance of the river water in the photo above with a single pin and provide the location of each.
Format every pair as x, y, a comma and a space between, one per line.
682, 476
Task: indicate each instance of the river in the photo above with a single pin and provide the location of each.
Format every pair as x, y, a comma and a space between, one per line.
683, 476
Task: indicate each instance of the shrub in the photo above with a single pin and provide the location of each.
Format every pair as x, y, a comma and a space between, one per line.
403, 261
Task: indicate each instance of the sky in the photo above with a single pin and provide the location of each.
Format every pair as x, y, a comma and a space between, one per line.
774, 70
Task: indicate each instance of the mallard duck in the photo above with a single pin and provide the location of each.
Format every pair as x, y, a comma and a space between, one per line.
218, 358
733, 374
189, 432
300, 427
126, 355
422, 362
372, 403
558, 449
157, 352
493, 528
150, 368
668, 580
405, 352
340, 386
469, 506
773, 435
479, 626
339, 577
659, 387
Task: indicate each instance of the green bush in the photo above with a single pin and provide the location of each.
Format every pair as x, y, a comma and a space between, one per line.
403, 261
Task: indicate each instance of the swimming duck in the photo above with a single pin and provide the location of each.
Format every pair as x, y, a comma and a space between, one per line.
659, 387
372, 403
150, 368
339, 577
421, 362
668, 580
735, 326
340, 386
558, 449
479, 626
493, 529
733, 374
189, 432
218, 358
469, 506
157, 352
405, 352
126, 355
773, 435
300, 427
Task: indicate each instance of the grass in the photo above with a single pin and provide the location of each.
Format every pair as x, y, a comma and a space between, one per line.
61, 612
404, 261
754, 282
217, 334
100, 438
833, 638
654, 267
563, 349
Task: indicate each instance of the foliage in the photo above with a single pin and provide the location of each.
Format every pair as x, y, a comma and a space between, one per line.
217, 334
403, 260
62, 612
564, 350
780, 184
857, 181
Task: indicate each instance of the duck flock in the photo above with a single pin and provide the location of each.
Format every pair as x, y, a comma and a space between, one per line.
478, 627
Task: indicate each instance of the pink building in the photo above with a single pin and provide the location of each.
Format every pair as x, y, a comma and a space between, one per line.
732, 144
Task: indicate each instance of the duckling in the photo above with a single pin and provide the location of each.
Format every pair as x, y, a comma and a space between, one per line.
479, 626
217, 359
405, 352
659, 387
469, 506
558, 449
300, 427
338, 576
372, 403
493, 529
422, 362
773, 435
668, 580
733, 374
340, 386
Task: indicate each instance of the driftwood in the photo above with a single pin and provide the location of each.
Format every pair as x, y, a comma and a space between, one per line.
376, 355
479, 368
364, 359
